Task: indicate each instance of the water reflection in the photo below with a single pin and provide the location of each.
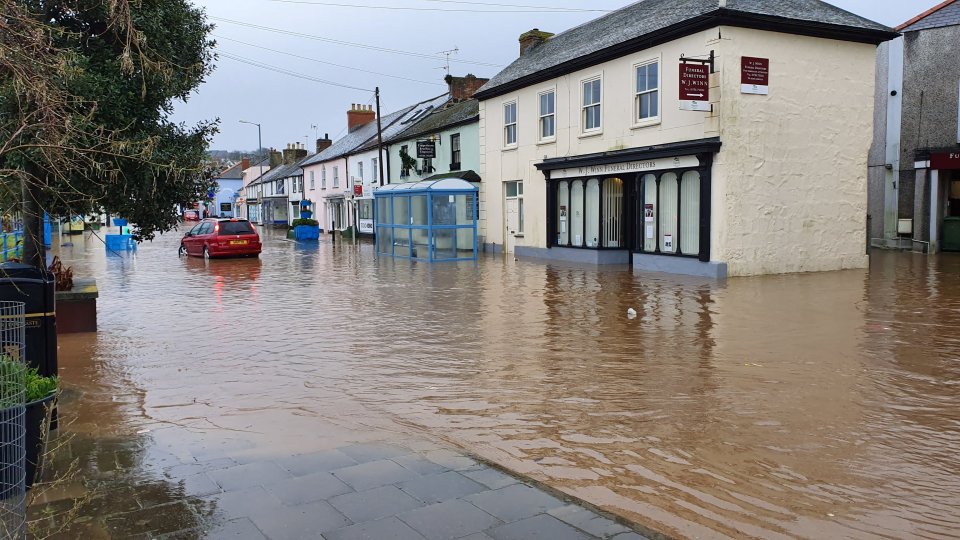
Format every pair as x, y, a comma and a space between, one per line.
814, 406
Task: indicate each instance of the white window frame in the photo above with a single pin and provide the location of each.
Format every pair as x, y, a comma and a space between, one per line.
323, 177
584, 132
360, 170
375, 167
652, 121
336, 177
313, 181
515, 124
541, 116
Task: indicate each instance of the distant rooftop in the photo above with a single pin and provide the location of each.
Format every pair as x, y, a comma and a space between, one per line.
939, 16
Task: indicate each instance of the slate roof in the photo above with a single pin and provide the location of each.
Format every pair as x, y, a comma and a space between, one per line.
648, 22
452, 115
945, 14
282, 171
233, 172
391, 124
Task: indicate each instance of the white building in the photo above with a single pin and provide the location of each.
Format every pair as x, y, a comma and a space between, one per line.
589, 154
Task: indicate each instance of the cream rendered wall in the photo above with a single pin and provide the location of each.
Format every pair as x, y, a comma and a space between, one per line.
499, 164
790, 183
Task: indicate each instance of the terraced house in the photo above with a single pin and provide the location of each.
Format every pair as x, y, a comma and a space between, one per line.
703, 137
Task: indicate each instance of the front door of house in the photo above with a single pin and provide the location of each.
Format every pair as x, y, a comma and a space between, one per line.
512, 224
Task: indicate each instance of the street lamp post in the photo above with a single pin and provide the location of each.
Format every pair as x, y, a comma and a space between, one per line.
259, 147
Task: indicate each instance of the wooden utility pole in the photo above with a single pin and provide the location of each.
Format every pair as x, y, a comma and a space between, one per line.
379, 138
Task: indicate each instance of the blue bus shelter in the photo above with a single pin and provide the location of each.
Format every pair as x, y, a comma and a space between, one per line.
432, 220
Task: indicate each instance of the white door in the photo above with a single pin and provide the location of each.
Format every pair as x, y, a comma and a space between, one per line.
512, 224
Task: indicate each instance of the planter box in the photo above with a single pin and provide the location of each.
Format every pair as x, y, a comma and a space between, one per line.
77, 309
306, 232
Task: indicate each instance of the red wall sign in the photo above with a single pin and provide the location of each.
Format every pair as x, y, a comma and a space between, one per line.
754, 75
945, 160
694, 82
358, 190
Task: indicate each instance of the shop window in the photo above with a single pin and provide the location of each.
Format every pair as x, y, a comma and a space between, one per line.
510, 124
365, 209
563, 214
576, 213
649, 183
690, 213
592, 97
648, 92
591, 214
548, 115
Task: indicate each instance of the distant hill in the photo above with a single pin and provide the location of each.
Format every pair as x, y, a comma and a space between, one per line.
235, 155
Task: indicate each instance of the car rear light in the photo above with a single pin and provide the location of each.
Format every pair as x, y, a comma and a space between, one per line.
216, 228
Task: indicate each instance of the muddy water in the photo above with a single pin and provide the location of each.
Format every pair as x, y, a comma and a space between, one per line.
815, 406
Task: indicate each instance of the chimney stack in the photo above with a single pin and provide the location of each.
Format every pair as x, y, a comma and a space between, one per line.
359, 116
290, 154
300, 152
463, 88
276, 158
244, 164
532, 39
324, 143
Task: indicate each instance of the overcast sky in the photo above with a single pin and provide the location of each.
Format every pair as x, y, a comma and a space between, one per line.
288, 107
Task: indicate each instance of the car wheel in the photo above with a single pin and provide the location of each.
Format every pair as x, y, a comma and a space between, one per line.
182, 251
206, 253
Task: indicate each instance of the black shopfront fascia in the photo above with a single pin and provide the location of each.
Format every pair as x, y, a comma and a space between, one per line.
632, 222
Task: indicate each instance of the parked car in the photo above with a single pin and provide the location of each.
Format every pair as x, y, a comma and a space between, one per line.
221, 238
191, 215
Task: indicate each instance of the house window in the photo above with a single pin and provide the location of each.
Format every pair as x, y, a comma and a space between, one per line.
548, 115
375, 165
360, 170
323, 178
313, 184
336, 177
514, 206
455, 152
280, 187
592, 92
510, 123
648, 92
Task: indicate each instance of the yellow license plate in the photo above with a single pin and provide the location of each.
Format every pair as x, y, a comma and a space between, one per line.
238, 242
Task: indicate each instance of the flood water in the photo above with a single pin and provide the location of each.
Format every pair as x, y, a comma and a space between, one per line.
813, 406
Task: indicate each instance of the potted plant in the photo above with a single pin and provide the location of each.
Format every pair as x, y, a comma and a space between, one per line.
306, 229
40, 392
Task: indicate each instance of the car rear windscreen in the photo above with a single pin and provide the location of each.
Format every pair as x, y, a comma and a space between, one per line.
235, 227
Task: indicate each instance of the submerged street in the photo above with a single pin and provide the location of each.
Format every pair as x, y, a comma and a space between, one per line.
813, 406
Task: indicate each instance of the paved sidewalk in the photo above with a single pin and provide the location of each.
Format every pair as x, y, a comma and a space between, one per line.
386, 492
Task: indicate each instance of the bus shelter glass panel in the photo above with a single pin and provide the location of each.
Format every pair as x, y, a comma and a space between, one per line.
420, 221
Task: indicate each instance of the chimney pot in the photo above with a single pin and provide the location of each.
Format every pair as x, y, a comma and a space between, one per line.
358, 116
463, 88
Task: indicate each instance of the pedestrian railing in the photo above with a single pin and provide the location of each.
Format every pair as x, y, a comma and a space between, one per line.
11, 245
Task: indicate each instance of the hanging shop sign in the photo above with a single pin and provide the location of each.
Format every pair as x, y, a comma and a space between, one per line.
678, 162
754, 75
358, 190
945, 160
694, 87
426, 149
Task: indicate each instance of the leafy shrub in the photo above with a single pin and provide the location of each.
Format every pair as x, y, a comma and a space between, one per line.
16, 377
306, 222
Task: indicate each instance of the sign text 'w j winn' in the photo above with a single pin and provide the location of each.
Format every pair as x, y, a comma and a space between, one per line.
694, 87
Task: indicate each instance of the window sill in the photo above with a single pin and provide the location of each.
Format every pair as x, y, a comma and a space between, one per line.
589, 134
510, 148
646, 123
545, 142
518, 235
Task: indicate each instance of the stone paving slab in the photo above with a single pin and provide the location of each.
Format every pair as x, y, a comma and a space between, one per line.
366, 491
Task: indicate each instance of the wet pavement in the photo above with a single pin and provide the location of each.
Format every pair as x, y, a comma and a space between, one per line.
808, 406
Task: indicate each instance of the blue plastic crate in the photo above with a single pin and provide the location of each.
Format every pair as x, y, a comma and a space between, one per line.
120, 242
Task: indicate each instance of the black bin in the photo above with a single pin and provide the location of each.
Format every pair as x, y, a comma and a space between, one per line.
36, 288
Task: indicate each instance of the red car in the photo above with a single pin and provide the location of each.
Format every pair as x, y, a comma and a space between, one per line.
191, 215
221, 238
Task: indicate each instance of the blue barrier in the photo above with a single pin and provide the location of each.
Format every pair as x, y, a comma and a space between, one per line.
120, 242
12, 245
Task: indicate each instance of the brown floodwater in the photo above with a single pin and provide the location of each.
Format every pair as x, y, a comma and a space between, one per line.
814, 406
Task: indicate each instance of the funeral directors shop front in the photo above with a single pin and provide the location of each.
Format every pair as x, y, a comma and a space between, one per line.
649, 207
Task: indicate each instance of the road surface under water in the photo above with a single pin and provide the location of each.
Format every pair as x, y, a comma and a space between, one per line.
815, 406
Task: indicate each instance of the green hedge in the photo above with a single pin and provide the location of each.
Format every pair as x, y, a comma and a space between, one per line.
306, 222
